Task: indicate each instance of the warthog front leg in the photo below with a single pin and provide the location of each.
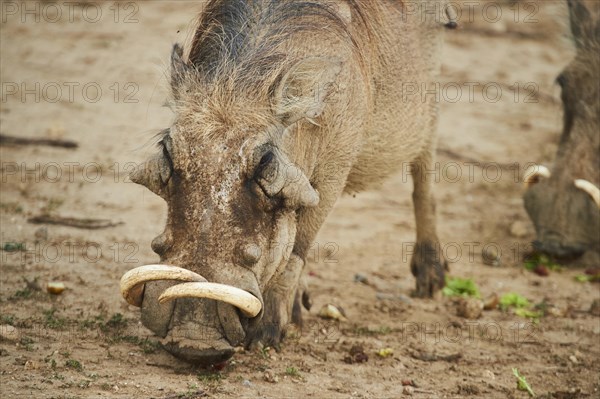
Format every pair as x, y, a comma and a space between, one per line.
427, 264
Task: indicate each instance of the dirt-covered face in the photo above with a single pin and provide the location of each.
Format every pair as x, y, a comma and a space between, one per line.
228, 171
565, 206
232, 202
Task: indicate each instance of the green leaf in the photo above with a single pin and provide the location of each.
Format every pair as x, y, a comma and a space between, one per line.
460, 287
522, 384
533, 261
530, 314
13, 246
513, 300
587, 278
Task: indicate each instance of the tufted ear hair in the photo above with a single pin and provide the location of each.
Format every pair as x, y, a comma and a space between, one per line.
178, 69
303, 90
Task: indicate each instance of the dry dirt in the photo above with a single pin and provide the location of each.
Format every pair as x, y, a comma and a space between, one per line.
87, 342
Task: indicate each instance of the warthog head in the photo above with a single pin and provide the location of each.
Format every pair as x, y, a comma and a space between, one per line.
564, 204
231, 169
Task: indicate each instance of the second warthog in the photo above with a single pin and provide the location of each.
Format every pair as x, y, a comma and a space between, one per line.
564, 205
280, 107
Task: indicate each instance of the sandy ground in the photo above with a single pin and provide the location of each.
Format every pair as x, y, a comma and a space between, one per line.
96, 75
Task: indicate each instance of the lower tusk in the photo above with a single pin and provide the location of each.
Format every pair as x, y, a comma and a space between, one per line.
243, 300
589, 188
533, 174
132, 280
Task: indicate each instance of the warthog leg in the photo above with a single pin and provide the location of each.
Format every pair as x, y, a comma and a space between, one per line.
427, 264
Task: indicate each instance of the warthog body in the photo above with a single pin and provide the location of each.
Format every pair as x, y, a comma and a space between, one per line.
280, 107
566, 218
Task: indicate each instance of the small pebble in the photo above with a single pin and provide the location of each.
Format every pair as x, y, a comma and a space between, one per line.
491, 302
407, 390
573, 359
490, 256
488, 375
31, 365
332, 312
555, 311
518, 229
271, 377
9, 333
55, 287
469, 308
361, 278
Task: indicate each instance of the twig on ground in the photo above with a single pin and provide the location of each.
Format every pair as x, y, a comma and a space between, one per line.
13, 140
91, 224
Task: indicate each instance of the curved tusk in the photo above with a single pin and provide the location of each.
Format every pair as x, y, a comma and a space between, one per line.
243, 300
533, 173
589, 188
130, 282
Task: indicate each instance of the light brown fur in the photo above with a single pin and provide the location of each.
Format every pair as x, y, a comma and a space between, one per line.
254, 147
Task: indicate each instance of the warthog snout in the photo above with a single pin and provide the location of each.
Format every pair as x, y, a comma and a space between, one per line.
199, 321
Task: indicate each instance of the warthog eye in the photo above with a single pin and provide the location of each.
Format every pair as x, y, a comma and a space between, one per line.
265, 174
266, 170
264, 162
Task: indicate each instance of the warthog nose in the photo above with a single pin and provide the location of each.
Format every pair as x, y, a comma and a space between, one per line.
250, 254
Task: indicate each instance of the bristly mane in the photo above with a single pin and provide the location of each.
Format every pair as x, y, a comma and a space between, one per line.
244, 38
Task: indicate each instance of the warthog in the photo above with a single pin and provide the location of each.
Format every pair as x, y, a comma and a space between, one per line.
281, 106
564, 203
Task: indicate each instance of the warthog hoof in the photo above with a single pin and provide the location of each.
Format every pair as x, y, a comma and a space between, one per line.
429, 267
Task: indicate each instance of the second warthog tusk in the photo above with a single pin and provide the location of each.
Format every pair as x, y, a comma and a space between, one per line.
243, 300
589, 188
132, 279
533, 174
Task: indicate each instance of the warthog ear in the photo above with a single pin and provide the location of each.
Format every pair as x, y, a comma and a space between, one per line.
304, 89
178, 68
